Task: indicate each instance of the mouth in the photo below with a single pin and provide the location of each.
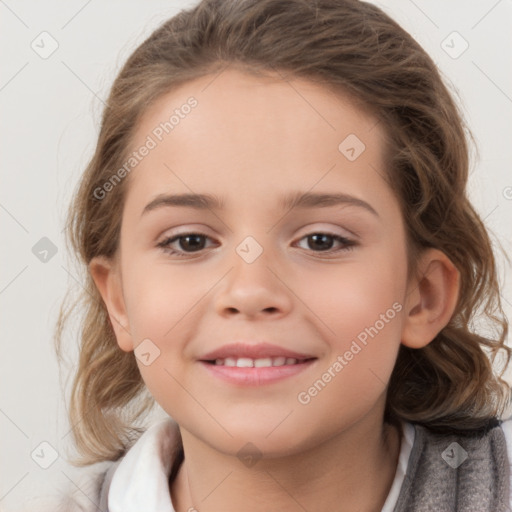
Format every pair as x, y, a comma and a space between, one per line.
245, 363
265, 362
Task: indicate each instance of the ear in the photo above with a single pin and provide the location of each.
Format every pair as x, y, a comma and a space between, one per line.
105, 274
431, 299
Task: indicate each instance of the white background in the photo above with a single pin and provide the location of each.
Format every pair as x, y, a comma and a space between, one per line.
50, 114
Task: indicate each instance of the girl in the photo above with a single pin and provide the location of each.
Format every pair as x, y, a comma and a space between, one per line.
281, 254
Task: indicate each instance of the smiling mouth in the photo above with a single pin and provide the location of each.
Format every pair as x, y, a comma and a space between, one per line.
248, 371
265, 362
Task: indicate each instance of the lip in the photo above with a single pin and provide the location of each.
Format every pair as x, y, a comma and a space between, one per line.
253, 351
255, 376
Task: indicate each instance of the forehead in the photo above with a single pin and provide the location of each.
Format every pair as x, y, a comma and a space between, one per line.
253, 134
248, 101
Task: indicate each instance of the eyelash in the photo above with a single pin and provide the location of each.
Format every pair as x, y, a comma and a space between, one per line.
164, 244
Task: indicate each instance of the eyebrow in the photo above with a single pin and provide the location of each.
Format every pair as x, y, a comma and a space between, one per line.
294, 200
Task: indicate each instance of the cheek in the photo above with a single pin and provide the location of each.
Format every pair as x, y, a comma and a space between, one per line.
351, 296
158, 298
161, 304
365, 322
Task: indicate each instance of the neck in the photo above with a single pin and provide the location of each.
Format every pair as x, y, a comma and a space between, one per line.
351, 471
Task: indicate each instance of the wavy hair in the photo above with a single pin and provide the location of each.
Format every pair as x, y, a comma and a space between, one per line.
352, 47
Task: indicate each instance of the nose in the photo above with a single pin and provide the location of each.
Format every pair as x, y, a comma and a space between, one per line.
254, 290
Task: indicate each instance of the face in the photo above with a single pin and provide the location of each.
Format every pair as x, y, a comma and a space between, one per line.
321, 280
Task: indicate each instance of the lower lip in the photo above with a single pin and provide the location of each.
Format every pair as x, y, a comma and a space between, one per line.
256, 376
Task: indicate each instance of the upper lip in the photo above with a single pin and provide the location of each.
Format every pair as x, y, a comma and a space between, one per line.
253, 351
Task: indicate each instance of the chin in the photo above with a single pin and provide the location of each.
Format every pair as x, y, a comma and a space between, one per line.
252, 441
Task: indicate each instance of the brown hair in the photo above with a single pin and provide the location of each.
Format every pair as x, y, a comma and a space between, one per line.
353, 47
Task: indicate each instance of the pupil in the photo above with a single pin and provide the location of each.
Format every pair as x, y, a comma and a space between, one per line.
316, 237
193, 244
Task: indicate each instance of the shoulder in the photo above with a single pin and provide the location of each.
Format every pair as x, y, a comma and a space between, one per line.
82, 493
463, 469
494, 438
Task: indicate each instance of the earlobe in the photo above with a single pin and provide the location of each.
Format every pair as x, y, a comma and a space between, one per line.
431, 299
105, 275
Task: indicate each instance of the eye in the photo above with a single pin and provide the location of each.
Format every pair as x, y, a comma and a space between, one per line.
188, 243
322, 242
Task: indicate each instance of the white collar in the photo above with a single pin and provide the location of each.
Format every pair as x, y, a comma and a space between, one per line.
408, 437
141, 481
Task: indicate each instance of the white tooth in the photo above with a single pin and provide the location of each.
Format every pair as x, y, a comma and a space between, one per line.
245, 362
263, 363
279, 361
230, 361
219, 362
291, 360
